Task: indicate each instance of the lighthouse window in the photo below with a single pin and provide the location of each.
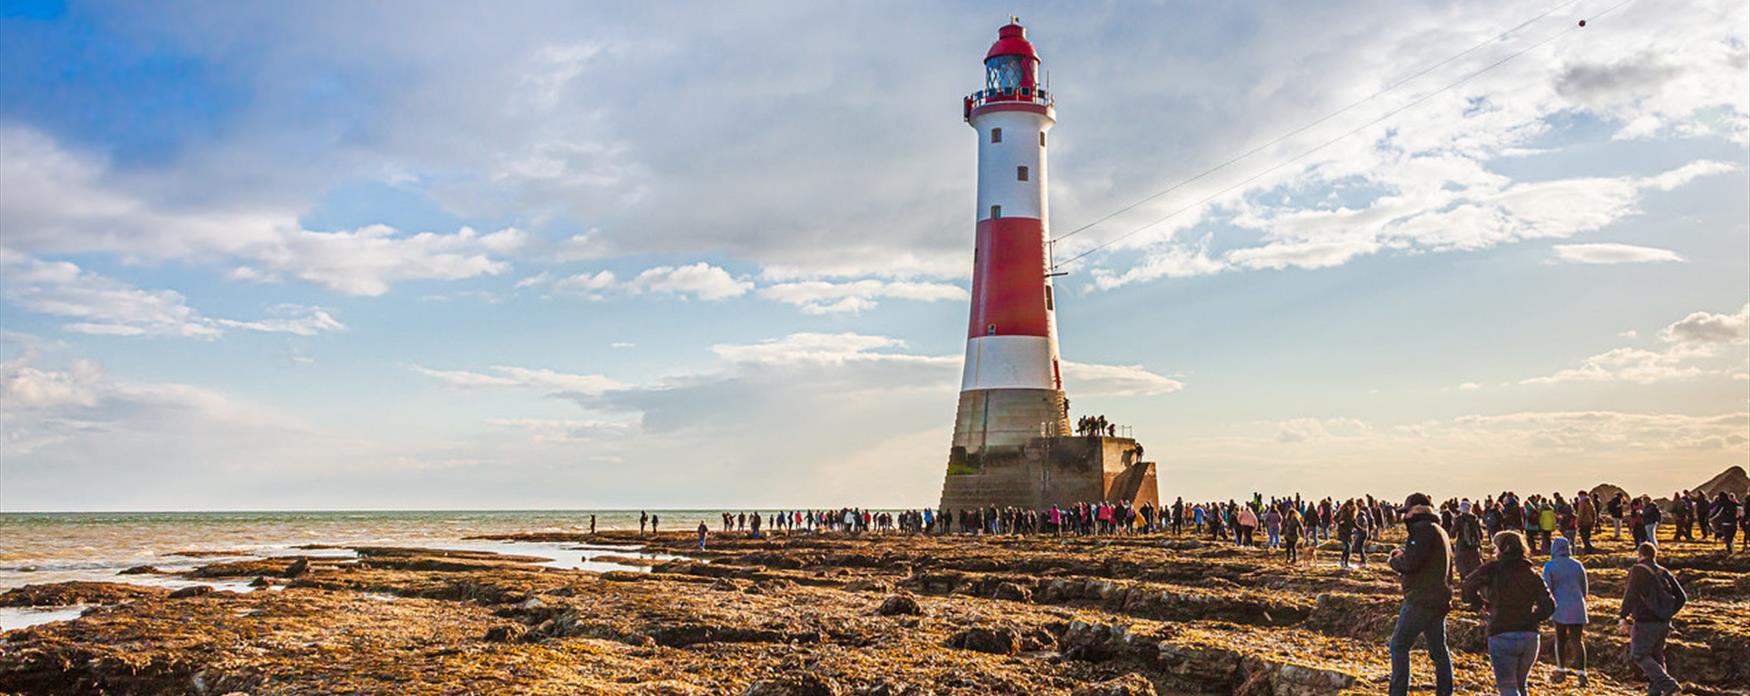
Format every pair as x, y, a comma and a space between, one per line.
1048, 306
1003, 73
996, 211
996, 135
1020, 173
1041, 138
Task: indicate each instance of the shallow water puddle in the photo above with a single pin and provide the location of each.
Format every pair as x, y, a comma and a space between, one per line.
12, 618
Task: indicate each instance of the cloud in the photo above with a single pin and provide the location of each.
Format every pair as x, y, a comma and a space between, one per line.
1706, 328
63, 202
314, 322
1613, 253
80, 407
544, 381
1690, 340
1296, 430
700, 280
1116, 380
824, 349
1624, 365
366, 261
564, 431
825, 297
103, 306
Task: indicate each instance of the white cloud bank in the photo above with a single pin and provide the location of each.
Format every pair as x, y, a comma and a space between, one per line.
99, 305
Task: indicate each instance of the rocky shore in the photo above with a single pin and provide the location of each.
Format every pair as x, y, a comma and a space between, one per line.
810, 614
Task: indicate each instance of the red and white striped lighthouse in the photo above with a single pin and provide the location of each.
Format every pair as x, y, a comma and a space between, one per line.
1012, 387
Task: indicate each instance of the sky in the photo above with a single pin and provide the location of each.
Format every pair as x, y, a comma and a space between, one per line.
399, 255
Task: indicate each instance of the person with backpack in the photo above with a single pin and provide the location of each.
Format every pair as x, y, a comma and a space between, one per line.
1516, 602
1723, 516
1424, 565
1566, 579
1467, 540
1650, 599
1586, 517
1650, 518
1682, 517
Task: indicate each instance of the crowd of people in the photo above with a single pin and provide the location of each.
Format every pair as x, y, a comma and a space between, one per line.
1444, 548
1516, 598
1095, 426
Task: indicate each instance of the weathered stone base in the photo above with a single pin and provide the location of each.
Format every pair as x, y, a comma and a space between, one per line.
1048, 471
988, 418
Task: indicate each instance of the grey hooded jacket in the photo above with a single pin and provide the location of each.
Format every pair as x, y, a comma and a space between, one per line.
1567, 582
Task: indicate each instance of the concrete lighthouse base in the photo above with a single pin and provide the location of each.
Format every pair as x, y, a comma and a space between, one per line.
1046, 471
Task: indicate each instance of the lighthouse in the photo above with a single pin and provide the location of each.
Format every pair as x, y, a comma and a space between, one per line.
1011, 387
1012, 443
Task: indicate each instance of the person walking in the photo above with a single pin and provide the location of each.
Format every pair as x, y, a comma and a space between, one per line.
1546, 524
1586, 518
1291, 528
1273, 526
1723, 516
1566, 579
1533, 522
1467, 540
1650, 517
1651, 597
702, 531
643, 521
1682, 517
1424, 565
1517, 601
1616, 508
1248, 521
1363, 527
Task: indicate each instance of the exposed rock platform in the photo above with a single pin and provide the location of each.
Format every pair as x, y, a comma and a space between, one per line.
809, 614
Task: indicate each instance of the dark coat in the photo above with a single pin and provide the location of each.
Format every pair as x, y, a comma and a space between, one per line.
1516, 596
1426, 563
1641, 577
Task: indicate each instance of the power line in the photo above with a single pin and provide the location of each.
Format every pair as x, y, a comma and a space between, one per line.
1322, 119
1333, 141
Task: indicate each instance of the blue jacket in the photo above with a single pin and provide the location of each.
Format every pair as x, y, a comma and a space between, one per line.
1567, 581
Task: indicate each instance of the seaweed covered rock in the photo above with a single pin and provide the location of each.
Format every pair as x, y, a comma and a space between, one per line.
795, 684
1132, 684
63, 594
1013, 592
899, 605
996, 640
1094, 642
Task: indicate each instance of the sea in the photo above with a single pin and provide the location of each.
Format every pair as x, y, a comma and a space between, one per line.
46, 547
